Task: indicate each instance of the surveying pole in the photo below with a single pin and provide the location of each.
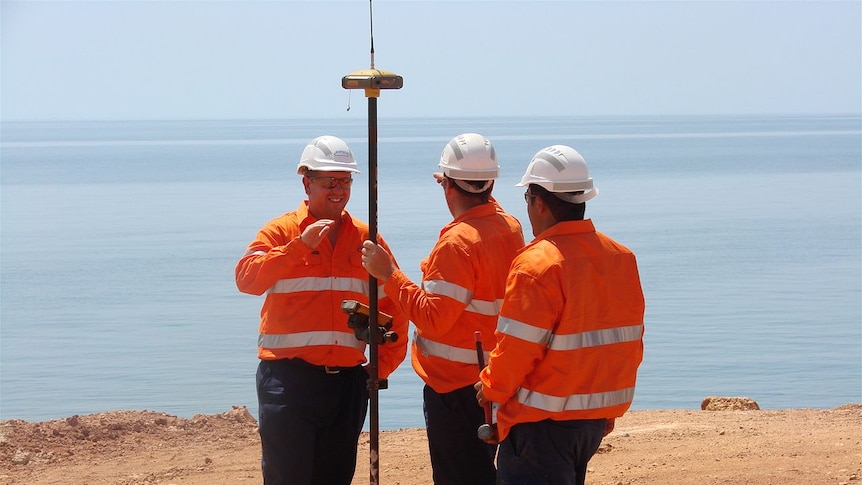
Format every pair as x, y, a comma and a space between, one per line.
372, 81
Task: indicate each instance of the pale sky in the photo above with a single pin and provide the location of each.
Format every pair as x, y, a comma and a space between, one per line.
285, 59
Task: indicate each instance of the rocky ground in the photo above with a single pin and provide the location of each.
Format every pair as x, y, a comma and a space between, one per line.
731, 446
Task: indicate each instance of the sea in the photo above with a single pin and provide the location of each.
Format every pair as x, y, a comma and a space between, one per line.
118, 241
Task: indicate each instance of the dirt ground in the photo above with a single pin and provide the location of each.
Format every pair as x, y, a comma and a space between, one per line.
758, 447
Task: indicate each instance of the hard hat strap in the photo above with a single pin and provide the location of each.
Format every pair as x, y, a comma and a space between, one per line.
471, 188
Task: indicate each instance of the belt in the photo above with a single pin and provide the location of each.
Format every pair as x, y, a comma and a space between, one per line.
327, 369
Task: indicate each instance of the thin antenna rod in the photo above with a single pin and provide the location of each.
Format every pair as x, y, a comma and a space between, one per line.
371, 21
372, 81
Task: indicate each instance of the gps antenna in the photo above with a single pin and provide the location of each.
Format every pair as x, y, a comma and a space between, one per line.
372, 80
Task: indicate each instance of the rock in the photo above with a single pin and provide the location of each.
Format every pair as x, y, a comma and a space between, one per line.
715, 403
21, 457
240, 414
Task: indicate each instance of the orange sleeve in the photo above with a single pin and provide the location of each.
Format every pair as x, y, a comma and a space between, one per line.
390, 355
268, 259
431, 312
529, 301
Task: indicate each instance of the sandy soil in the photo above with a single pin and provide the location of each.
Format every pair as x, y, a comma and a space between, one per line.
799, 446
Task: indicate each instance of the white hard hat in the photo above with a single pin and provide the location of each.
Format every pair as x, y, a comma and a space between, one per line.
560, 170
469, 157
327, 153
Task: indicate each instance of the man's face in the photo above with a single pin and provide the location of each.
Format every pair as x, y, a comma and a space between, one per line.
328, 193
446, 183
531, 201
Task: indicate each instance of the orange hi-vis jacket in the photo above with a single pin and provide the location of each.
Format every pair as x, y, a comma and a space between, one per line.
570, 335
463, 280
301, 316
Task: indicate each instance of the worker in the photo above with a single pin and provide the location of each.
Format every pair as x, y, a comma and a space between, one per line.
312, 385
569, 338
462, 287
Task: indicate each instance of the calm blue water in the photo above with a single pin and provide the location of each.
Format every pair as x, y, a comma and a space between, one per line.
119, 239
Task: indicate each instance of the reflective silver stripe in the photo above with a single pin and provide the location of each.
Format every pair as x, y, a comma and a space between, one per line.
323, 146
329, 283
523, 331
596, 337
554, 161
463, 295
482, 307
303, 339
572, 186
448, 352
573, 341
440, 287
456, 149
256, 253
311, 283
574, 402
478, 175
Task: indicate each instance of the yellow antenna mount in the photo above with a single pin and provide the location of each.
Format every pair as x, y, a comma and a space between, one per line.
372, 81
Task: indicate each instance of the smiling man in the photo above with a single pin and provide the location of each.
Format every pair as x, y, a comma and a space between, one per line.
311, 384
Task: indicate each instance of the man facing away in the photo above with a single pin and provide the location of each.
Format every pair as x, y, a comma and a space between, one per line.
462, 286
569, 339
311, 384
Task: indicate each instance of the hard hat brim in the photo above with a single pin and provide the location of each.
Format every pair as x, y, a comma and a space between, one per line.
330, 168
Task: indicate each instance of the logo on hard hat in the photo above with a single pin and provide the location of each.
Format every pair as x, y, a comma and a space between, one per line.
342, 154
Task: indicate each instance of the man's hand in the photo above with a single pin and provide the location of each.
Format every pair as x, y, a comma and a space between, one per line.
488, 431
315, 232
377, 261
480, 396
610, 425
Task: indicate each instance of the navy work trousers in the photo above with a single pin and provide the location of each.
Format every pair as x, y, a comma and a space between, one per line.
549, 452
458, 456
310, 422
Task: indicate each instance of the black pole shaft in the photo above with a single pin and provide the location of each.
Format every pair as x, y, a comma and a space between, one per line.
373, 330
480, 358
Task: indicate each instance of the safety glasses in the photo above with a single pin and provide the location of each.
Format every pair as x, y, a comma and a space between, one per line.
332, 182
